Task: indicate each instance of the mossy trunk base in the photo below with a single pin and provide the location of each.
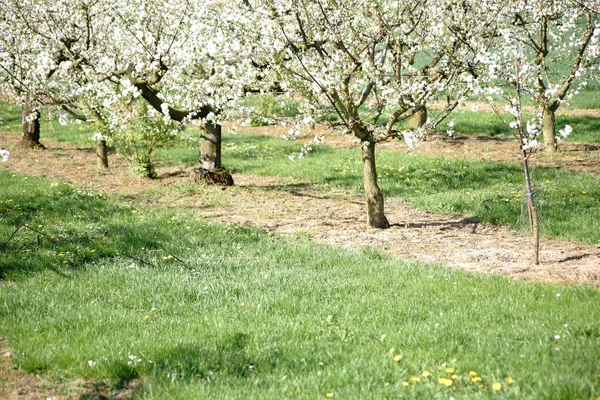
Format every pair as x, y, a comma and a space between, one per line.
215, 176
101, 154
419, 118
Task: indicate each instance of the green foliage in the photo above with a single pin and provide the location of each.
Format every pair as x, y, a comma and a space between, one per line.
140, 138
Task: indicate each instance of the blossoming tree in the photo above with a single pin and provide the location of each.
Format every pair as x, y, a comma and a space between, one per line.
172, 54
369, 63
30, 67
557, 43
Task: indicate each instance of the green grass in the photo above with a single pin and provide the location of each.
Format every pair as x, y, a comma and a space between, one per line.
236, 313
585, 129
73, 132
493, 192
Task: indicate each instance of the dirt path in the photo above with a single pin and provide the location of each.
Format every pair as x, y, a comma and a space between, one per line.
288, 206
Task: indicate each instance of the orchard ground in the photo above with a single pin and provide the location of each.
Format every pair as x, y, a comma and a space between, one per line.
336, 216
329, 213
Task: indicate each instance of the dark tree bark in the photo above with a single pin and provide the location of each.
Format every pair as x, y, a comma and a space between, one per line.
31, 127
375, 204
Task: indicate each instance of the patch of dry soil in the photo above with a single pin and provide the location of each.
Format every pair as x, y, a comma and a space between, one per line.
337, 218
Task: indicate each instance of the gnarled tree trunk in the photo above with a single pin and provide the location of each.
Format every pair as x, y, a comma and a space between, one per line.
210, 147
549, 130
31, 127
375, 213
101, 154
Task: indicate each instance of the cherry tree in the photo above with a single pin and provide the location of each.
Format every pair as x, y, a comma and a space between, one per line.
356, 59
30, 67
557, 45
172, 54
540, 51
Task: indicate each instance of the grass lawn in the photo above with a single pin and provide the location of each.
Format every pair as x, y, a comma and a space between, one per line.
106, 290
569, 201
585, 129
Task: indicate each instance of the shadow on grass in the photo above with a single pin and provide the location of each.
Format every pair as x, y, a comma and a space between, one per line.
229, 355
66, 229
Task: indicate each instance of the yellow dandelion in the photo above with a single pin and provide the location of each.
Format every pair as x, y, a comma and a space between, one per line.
398, 358
146, 316
405, 384
476, 379
472, 373
496, 386
329, 395
426, 374
449, 370
153, 309
510, 380
445, 382
392, 350
414, 379
454, 377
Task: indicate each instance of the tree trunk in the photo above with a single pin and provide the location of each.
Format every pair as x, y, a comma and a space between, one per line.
376, 217
549, 130
210, 147
419, 118
101, 154
31, 127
